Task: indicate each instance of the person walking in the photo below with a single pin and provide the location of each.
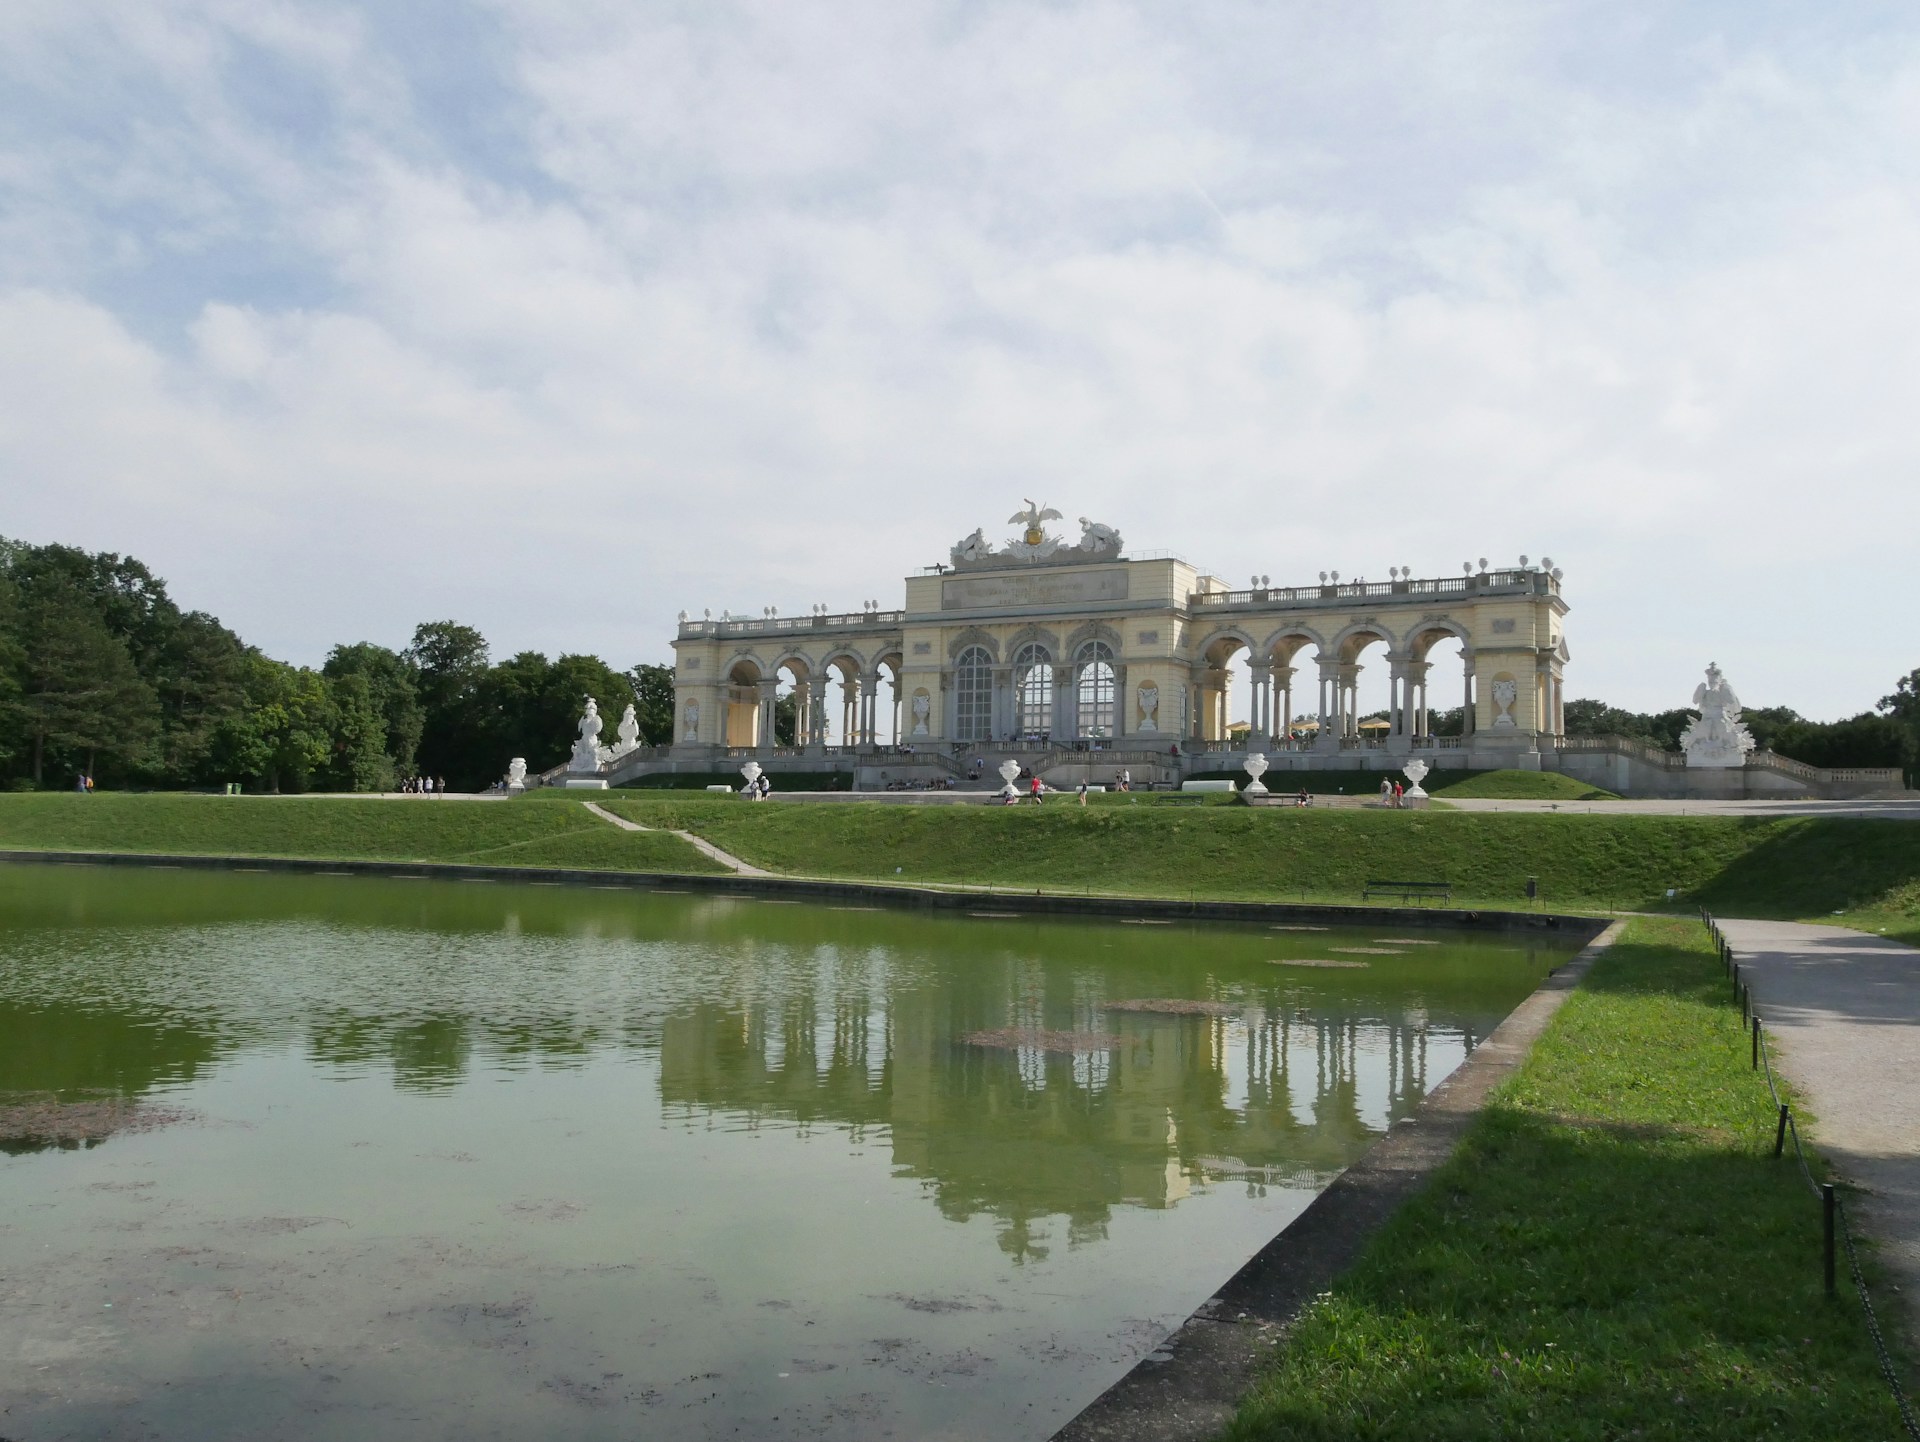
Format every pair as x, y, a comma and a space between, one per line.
1386, 791
1083, 793
1399, 799
1036, 789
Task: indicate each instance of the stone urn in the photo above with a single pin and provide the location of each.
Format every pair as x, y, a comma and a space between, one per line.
1009, 773
1415, 772
752, 772
1256, 767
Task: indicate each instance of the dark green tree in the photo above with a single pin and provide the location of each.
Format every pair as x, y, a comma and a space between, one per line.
390, 685
283, 739
653, 703
1863, 740
77, 695
358, 759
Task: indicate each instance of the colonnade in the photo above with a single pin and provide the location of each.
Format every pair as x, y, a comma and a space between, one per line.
1336, 708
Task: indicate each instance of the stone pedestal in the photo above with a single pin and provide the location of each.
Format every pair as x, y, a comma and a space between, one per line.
583, 783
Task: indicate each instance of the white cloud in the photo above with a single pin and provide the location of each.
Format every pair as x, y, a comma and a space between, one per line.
774, 302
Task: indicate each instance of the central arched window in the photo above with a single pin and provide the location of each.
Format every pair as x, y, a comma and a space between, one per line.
973, 695
1094, 689
1033, 690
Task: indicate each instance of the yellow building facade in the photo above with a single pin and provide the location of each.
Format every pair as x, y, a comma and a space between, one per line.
1057, 643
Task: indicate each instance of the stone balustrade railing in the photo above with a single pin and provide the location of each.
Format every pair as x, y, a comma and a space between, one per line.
1486, 582
786, 625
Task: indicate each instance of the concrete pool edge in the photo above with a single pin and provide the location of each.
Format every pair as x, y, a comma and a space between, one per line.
1219, 1352
926, 898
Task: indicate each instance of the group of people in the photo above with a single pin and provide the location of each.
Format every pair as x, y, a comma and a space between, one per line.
758, 789
1393, 794
424, 786
83, 783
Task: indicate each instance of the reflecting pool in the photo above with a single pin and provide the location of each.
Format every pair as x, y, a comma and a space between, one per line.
313, 1157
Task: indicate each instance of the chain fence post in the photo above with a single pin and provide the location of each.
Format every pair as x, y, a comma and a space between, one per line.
1756, 1043
1780, 1132
1826, 1222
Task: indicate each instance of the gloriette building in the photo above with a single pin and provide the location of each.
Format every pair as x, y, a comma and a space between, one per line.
1052, 643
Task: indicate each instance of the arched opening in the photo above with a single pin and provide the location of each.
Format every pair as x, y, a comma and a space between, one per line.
1223, 691
1292, 707
1367, 701
840, 721
1095, 688
887, 725
1439, 685
1032, 693
973, 695
742, 729
790, 701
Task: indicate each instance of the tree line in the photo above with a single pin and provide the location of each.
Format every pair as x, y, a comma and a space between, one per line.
101, 673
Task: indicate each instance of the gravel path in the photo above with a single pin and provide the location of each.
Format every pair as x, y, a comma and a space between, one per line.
726, 859
1842, 1009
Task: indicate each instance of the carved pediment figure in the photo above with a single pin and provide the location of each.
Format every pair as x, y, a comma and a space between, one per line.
691, 724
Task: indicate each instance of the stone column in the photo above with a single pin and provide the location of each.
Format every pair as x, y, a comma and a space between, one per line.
1470, 702
869, 696
849, 709
763, 737
1420, 719
1063, 703
1328, 736
817, 713
1283, 679
1261, 715
1400, 724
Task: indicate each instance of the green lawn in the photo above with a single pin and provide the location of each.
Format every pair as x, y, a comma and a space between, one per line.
1613, 1252
1520, 786
1790, 867
339, 828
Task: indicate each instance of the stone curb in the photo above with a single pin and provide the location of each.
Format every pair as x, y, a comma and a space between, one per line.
1219, 1352
905, 896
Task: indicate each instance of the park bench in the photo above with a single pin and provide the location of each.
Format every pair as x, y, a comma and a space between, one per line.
1408, 890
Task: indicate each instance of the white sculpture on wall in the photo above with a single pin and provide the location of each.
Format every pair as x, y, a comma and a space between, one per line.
1098, 540
922, 711
1717, 738
974, 548
691, 723
588, 753
1149, 703
1033, 544
629, 732
1506, 691
1256, 767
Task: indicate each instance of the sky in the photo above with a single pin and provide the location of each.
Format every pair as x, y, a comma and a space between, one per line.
559, 318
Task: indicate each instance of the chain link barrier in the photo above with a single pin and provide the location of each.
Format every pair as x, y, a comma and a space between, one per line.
1832, 1206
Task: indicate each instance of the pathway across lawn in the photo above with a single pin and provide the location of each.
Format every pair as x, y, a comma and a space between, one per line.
1843, 1009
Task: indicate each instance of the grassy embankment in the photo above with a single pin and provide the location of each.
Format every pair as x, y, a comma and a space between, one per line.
339, 828
1788, 867
1613, 1252
1784, 867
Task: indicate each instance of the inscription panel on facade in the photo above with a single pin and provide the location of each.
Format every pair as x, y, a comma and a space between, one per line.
1059, 588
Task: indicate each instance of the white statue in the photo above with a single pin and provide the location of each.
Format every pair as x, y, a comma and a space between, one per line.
1149, 703
629, 732
517, 774
1034, 543
1717, 738
691, 723
922, 711
974, 548
1505, 693
1256, 767
1416, 772
1096, 539
588, 753
752, 772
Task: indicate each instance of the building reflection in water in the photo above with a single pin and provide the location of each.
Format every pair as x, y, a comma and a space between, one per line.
1274, 1093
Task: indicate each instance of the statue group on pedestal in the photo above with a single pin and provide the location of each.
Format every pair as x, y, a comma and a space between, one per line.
588, 753
1717, 738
